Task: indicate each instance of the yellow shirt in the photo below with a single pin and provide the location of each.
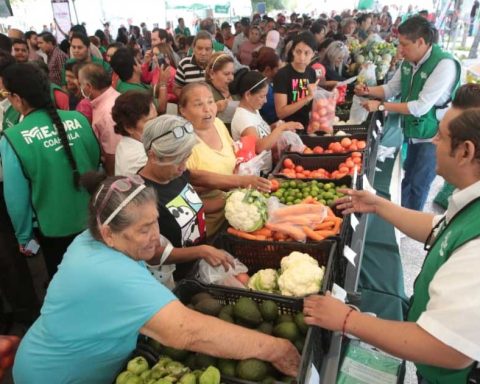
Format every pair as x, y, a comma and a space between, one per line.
223, 161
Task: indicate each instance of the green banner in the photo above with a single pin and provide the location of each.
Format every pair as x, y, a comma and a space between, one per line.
366, 4
222, 8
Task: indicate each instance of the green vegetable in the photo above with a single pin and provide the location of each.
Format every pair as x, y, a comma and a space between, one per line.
269, 310
265, 280
210, 376
246, 310
209, 307
138, 365
227, 367
252, 370
287, 330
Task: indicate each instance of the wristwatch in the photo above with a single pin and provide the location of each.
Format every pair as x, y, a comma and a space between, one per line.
381, 107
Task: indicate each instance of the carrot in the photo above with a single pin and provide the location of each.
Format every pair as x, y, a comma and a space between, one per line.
327, 224
288, 229
312, 234
326, 233
244, 235
330, 212
308, 200
338, 223
262, 232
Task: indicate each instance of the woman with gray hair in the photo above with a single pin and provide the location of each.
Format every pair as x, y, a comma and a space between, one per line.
103, 297
168, 142
333, 59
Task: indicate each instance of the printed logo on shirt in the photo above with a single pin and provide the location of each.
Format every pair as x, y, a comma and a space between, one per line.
49, 137
406, 70
187, 209
444, 244
299, 89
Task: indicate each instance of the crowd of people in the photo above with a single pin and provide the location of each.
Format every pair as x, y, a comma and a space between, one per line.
117, 156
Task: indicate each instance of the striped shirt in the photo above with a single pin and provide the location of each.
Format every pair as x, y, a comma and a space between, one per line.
188, 72
56, 61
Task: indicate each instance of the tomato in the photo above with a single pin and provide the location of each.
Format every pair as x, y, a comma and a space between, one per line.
307, 172
337, 147
300, 176
288, 163
328, 151
299, 169
274, 185
361, 144
349, 163
346, 142
308, 151
343, 169
356, 154
318, 150
357, 160
353, 147
341, 174
243, 278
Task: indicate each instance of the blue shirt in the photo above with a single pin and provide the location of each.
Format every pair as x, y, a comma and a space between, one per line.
95, 306
268, 111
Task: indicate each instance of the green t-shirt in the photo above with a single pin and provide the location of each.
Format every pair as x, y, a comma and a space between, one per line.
94, 59
123, 86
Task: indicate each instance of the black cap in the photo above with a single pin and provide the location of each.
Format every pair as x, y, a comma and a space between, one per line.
245, 21
225, 25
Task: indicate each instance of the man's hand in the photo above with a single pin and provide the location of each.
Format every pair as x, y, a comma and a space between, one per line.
371, 105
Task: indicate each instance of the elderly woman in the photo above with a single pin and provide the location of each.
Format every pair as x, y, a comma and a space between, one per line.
253, 87
130, 112
103, 297
169, 141
218, 75
333, 59
212, 163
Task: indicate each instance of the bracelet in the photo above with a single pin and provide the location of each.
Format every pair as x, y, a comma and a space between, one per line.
345, 321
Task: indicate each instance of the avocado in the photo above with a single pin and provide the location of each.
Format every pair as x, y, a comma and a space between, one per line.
209, 307
269, 310
226, 317
227, 367
252, 370
228, 309
199, 297
246, 310
203, 361
287, 330
283, 318
300, 322
175, 354
266, 328
268, 380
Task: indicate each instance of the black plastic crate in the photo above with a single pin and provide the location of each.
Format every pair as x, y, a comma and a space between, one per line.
312, 162
317, 341
258, 255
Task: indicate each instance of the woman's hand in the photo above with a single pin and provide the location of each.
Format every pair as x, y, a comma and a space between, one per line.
255, 182
290, 126
288, 360
164, 75
222, 104
357, 202
216, 257
312, 88
147, 59
325, 311
361, 90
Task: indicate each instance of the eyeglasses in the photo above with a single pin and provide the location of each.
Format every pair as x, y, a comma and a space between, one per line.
177, 132
4, 93
120, 185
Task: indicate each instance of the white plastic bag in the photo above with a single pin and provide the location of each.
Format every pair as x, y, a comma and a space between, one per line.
208, 274
261, 162
288, 141
358, 114
164, 273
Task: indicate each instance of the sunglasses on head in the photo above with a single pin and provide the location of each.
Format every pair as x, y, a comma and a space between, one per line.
177, 132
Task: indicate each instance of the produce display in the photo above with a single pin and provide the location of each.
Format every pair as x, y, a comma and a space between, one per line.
293, 192
264, 316
293, 171
323, 114
308, 220
166, 371
344, 146
299, 275
379, 53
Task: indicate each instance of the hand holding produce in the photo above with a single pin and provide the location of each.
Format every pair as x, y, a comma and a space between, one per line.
255, 182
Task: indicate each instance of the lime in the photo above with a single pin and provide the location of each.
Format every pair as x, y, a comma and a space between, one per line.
340, 194
320, 185
289, 199
293, 184
332, 185
298, 201
327, 187
329, 202
328, 195
289, 203
322, 201
314, 193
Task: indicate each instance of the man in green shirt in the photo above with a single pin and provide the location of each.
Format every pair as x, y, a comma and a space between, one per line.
441, 335
182, 29
79, 48
129, 70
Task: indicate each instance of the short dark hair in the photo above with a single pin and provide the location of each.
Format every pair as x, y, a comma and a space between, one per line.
122, 63
129, 108
318, 27
29, 34
79, 28
5, 43
180, 19
6, 59
162, 33
466, 127
83, 38
96, 75
417, 27
48, 38
19, 41
467, 96
202, 35
248, 81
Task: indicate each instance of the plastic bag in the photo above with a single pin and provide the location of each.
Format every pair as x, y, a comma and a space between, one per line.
367, 75
323, 111
342, 93
292, 220
164, 273
245, 148
290, 141
208, 274
358, 114
261, 162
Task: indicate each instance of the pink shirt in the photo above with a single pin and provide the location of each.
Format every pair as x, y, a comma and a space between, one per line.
102, 122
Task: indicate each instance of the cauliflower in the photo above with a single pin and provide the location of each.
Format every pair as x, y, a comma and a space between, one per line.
246, 210
301, 279
264, 280
296, 258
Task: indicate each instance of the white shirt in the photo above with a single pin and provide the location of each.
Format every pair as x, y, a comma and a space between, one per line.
453, 311
436, 91
130, 156
244, 119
